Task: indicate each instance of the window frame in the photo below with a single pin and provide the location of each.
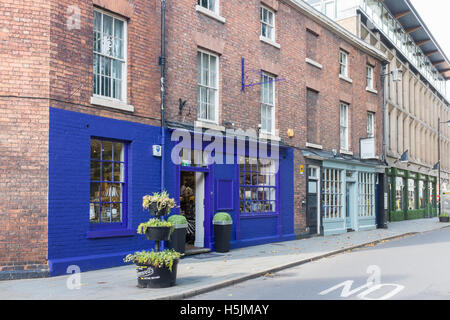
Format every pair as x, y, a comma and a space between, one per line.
262, 22
124, 186
343, 65
332, 184
208, 87
366, 200
124, 60
242, 174
272, 79
369, 77
370, 123
216, 5
345, 125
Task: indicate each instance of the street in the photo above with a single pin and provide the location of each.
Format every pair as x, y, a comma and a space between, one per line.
414, 267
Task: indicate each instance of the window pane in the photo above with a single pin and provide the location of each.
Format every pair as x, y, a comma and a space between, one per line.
107, 150
105, 212
107, 171
116, 212
105, 192
95, 170
94, 213
96, 147
95, 192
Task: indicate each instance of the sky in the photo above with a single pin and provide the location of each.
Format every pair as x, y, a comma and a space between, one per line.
435, 14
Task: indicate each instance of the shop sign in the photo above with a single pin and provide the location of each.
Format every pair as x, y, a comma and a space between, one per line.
367, 147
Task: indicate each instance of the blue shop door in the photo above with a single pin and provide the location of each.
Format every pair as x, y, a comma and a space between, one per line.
225, 193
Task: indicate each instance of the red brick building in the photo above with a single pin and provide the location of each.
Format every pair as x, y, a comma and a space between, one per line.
271, 66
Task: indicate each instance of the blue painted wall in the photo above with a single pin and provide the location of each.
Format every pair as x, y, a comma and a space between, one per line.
69, 192
69, 189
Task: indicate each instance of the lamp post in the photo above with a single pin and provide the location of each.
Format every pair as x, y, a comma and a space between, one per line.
439, 161
396, 77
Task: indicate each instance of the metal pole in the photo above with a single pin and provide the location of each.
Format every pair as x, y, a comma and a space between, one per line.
439, 162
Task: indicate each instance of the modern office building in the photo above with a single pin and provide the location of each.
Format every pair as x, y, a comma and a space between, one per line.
416, 101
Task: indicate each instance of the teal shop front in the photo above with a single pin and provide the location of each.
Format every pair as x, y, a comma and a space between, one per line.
348, 197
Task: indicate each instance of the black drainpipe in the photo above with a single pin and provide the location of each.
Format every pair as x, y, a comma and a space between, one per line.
162, 63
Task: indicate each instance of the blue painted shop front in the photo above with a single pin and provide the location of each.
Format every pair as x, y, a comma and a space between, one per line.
99, 170
348, 197
258, 217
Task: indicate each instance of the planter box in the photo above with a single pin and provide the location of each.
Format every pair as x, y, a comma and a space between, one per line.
178, 238
152, 277
158, 233
222, 233
444, 219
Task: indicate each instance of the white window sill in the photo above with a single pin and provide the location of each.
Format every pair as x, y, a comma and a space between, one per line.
313, 63
345, 78
314, 146
269, 136
209, 13
269, 41
209, 125
371, 90
110, 103
349, 153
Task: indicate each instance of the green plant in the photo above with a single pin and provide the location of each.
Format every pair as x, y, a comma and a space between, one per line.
162, 200
444, 215
177, 219
142, 228
222, 217
156, 259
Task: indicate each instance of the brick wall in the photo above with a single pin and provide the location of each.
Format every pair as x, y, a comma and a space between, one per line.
238, 38
45, 63
49, 65
24, 60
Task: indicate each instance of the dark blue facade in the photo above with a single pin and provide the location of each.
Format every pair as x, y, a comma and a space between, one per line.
71, 239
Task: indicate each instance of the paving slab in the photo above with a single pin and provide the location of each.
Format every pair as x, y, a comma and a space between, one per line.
202, 273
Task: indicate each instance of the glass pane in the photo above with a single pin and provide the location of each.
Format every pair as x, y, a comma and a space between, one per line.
95, 149
95, 192
95, 170
97, 21
213, 71
105, 212
119, 172
94, 210
119, 151
118, 28
106, 192
107, 150
116, 192
116, 212
107, 171
117, 69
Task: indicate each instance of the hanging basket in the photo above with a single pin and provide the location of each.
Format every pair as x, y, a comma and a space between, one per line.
158, 233
153, 210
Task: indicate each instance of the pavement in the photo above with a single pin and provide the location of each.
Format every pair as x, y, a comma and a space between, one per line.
206, 272
390, 270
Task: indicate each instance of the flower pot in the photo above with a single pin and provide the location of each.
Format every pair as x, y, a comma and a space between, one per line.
178, 238
158, 233
444, 219
149, 276
222, 233
153, 210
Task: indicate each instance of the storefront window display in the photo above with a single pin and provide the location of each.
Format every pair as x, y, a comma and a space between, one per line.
399, 193
411, 194
332, 193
